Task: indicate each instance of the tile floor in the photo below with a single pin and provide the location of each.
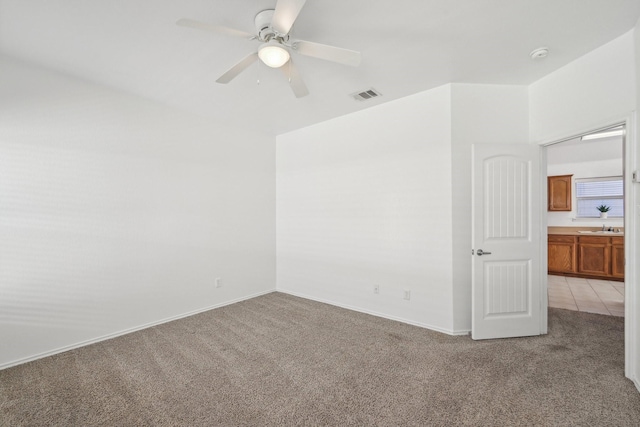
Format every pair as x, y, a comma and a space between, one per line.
591, 295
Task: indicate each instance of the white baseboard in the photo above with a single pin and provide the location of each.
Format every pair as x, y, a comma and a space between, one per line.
374, 313
128, 331
637, 383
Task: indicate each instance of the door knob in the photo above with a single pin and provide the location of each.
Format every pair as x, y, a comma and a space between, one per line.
481, 252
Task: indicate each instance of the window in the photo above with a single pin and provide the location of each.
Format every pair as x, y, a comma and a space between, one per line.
593, 192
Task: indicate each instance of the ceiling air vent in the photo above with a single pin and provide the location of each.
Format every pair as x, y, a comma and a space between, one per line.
366, 95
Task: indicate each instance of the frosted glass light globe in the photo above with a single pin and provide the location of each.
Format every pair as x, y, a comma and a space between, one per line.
273, 55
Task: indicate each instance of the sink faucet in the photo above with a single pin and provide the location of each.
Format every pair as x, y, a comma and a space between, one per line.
604, 228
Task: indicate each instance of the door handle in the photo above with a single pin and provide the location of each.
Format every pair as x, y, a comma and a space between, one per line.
480, 252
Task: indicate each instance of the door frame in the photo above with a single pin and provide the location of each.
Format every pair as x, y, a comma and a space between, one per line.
631, 303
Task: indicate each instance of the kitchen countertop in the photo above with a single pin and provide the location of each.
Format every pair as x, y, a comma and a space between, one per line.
585, 231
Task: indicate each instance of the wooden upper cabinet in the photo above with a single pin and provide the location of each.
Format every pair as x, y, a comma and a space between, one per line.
559, 191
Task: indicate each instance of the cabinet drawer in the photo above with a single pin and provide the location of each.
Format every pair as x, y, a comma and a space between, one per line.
617, 240
556, 238
594, 239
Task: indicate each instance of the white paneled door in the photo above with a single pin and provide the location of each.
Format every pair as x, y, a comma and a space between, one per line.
507, 299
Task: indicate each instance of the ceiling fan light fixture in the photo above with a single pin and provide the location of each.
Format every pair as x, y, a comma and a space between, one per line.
273, 55
272, 28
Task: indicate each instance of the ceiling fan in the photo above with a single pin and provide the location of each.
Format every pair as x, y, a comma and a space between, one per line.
273, 27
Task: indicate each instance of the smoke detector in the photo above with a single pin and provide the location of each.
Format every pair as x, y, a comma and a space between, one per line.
539, 53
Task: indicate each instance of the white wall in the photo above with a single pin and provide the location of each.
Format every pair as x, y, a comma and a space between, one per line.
116, 213
595, 90
481, 114
365, 200
583, 170
355, 197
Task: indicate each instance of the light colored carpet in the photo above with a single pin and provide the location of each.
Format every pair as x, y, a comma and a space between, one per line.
280, 360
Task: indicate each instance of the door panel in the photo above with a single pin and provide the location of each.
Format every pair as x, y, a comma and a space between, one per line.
506, 216
506, 285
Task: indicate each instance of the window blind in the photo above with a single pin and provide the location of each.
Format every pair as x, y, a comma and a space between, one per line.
593, 192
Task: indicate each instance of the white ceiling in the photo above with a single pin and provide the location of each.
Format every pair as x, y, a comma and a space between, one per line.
407, 46
578, 151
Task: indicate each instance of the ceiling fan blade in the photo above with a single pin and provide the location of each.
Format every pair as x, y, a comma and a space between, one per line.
328, 53
295, 80
218, 29
233, 72
285, 15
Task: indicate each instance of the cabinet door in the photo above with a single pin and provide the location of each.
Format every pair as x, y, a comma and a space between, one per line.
561, 255
617, 257
594, 256
559, 192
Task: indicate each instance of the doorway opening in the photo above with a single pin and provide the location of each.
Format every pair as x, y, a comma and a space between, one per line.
586, 222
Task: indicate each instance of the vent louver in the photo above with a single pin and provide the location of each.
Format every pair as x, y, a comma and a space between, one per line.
366, 95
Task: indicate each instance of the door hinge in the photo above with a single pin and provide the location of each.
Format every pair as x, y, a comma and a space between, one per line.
473, 252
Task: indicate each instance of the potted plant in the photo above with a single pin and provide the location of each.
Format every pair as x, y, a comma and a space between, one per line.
603, 210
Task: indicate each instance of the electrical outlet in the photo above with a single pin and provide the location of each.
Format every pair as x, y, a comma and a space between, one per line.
218, 282
407, 294
376, 289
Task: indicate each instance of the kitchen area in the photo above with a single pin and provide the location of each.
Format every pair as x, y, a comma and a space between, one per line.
585, 216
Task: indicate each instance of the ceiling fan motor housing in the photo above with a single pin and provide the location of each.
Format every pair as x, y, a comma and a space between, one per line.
263, 25
264, 29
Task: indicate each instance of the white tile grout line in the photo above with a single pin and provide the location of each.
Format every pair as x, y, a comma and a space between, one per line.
599, 298
611, 285
566, 284
593, 290
619, 291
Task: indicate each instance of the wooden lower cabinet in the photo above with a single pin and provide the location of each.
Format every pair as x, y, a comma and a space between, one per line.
586, 256
561, 254
617, 257
594, 255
